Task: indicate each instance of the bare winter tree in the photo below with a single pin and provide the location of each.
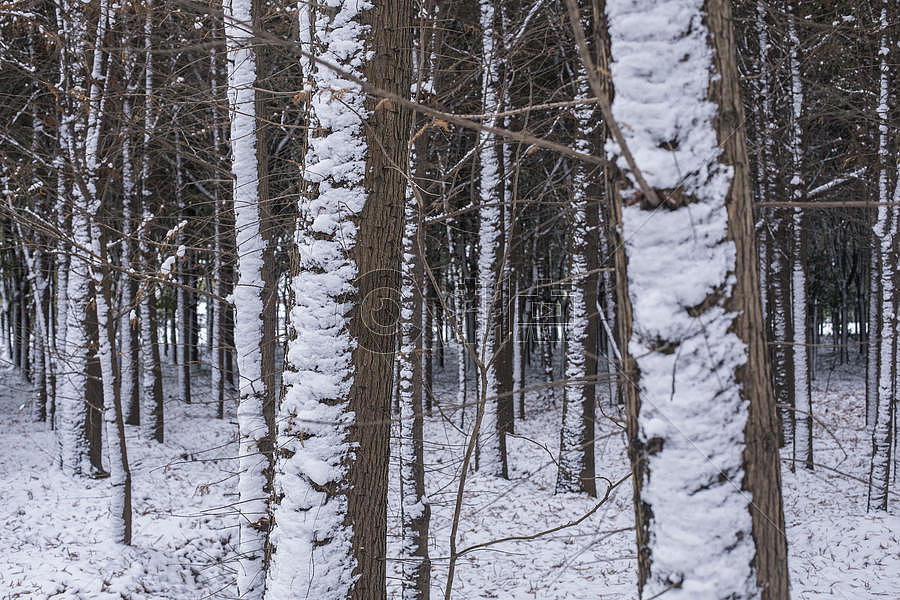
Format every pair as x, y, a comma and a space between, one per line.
254, 436
414, 504
803, 451
334, 418
701, 420
576, 445
884, 424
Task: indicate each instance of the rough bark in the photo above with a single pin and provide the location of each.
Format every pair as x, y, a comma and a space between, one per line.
803, 450
671, 416
762, 468
414, 506
576, 448
883, 423
334, 418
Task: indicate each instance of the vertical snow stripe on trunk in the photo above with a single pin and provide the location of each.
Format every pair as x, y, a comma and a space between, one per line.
248, 305
120, 475
491, 460
117, 462
62, 276
873, 347
883, 424
312, 538
128, 379
152, 418
884, 413
802, 396
681, 275
81, 135
574, 434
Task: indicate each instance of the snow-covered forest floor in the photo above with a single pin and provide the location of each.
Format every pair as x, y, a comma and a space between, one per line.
55, 537
835, 548
54, 542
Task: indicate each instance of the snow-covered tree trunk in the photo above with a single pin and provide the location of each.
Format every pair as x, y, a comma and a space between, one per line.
803, 451
217, 353
47, 335
38, 269
459, 316
40, 363
152, 416
12, 322
4, 327
504, 333
765, 168
128, 374
120, 474
428, 308
884, 423
23, 356
62, 278
779, 245
32, 258
253, 434
73, 414
414, 507
885, 415
86, 160
574, 436
415, 345
873, 346
782, 332
492, 459
182, 311
702, 427
329, 536
70, 400
576, 444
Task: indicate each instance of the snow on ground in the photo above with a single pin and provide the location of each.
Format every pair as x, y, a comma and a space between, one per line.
595, 559
54, 542
835, 548
53, 533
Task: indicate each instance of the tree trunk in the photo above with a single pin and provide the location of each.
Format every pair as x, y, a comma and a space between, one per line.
182, 340
152, 416
576, 446
334, 417
75, 378
128, 380
803, 451
120, 473
884, 419
414, 507
254, 436
491, 438
698, 345
217, 353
